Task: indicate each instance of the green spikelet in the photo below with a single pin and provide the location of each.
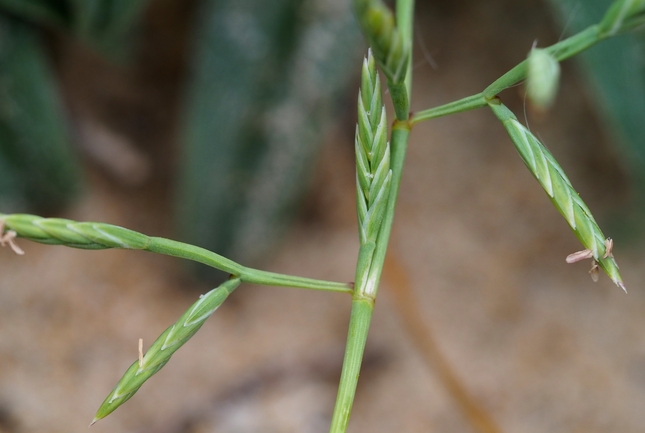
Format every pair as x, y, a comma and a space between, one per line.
390, 49
87, 235
556, 184
162, 349
391, 52
373, 172
97, 236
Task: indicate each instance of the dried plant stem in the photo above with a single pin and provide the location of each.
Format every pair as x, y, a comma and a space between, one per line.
408, 308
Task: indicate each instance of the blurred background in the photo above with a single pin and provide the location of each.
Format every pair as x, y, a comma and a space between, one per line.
229, 124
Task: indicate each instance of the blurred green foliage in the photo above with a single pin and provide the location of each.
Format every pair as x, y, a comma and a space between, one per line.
105, 24
266, 86
263, 88
37, 166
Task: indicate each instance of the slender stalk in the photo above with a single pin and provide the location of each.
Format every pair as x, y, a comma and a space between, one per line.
359, 325
401, 93
577, 43
405, 24
400, 99
90, 235
465, 104
256, 276
561, 51
169, 247
247, 275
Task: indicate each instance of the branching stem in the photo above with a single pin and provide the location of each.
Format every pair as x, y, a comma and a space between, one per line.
55, 231
561, 51
372, 255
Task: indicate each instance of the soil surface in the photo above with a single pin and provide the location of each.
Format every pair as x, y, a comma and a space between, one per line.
537, 345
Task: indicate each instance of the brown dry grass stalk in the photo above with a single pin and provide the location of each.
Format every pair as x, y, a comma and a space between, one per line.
397, 280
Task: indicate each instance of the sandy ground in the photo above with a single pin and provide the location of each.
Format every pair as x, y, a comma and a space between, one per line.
537, 344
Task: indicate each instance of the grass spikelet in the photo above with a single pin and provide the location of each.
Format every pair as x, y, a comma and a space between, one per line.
559, 189
166, 344
377, 23
97, 236
85, 235
373, 174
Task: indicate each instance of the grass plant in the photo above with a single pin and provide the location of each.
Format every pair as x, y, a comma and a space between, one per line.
379, 167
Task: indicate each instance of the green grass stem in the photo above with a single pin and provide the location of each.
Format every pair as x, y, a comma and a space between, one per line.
372, 252
623, 15
465, 104
359, 324
400, 100
181, 250
92, 235
405, 24
560, 51
256, 276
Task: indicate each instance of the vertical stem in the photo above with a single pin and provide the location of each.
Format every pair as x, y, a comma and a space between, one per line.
362, 305
359, 325
405, 24
372, 257
401, 93
400, 100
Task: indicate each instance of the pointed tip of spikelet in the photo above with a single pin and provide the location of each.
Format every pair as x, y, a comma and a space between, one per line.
621, 285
